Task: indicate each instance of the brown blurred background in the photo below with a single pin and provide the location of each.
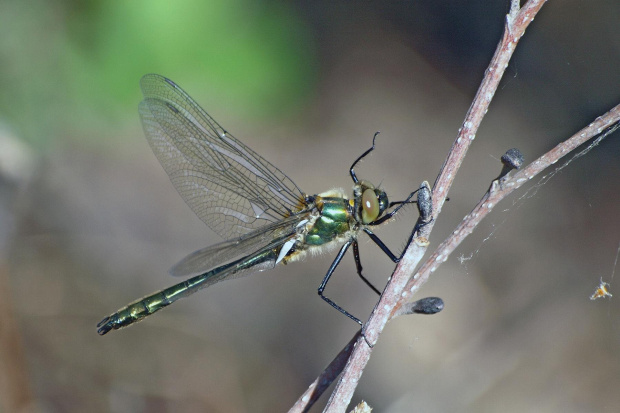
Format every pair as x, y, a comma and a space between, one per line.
89, 220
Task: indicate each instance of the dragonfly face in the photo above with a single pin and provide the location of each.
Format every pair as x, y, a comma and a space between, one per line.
264, 216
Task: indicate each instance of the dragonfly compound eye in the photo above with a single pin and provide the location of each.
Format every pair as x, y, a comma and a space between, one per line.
370, 206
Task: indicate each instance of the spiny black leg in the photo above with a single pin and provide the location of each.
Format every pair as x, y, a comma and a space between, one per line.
358, 264
362, 156
330, 271
395, 211
381, 245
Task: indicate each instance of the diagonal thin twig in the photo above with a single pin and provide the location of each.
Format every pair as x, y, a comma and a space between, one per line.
517, 21
498, 192
601, 127
327, 377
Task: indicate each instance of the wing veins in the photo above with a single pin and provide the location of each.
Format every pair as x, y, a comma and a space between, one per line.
215, 173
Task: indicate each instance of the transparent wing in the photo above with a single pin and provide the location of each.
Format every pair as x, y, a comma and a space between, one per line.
267, 237
229, 186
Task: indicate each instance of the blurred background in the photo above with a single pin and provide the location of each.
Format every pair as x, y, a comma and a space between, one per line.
90, 222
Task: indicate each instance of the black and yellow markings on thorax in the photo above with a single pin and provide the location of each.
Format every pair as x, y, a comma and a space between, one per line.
333, 219
330, 218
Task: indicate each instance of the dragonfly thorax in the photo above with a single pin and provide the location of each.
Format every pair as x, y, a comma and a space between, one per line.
335, 219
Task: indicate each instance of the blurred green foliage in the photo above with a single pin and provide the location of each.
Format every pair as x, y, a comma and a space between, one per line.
70, 69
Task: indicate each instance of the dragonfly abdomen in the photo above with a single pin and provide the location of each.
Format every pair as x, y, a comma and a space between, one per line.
146, 306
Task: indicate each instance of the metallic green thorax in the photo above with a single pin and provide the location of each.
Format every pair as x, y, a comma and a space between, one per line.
334, 220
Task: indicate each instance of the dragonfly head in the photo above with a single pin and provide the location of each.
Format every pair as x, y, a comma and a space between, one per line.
371, 202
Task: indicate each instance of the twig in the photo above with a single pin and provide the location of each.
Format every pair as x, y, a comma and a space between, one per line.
498, 192
517, 21
326, 378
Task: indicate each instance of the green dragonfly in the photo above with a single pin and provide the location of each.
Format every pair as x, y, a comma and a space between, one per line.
265, 217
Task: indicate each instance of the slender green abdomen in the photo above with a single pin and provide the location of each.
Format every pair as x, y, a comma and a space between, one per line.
146, 306
332, 223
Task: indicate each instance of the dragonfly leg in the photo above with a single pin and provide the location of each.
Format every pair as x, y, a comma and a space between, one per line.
395, 210
383, 247
358, 264
330, 271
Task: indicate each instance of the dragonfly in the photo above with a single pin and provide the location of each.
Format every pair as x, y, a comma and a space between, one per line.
263, 215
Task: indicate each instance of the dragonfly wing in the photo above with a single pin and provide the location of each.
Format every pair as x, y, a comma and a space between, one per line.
271, 236
228, 185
